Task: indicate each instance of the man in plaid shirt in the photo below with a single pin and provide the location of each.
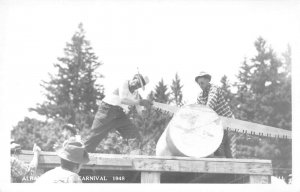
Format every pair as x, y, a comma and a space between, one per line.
212, 96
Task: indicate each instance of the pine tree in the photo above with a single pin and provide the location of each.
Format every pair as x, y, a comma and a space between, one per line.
263, 93
26, 131
71, 96
264, 96
161, 94
176, 91
244, 96
287, 64
269, 87
74, 88
228, 95
285, 91
151, 96
226, 89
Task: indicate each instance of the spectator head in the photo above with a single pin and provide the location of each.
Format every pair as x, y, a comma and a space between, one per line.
68, 131
14, 147
73, 154
203, 79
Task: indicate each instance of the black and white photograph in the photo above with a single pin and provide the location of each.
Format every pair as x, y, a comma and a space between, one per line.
148, 92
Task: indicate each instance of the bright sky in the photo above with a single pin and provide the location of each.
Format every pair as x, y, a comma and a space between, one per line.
159, 37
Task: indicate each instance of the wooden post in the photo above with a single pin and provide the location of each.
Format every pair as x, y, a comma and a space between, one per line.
150, 177
259, 179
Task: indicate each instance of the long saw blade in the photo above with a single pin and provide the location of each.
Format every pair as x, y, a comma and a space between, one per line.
239, 125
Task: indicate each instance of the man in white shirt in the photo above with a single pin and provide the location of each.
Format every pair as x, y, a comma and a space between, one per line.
111, 115
72, 156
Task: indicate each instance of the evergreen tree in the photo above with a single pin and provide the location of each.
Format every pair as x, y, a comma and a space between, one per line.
264, 96
151, 96
71, 96
74, 88
161, 94
27, 131
287, 63
244, 96
176, 91
228, 95
226, 89
263, 91
285, 92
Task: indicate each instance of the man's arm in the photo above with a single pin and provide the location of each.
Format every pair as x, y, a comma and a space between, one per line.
142, 102
127, 100
35, 160
200, 99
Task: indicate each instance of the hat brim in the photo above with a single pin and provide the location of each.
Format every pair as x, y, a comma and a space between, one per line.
67, 156
206, 75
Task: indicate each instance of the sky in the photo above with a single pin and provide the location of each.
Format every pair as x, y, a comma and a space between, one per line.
161, 38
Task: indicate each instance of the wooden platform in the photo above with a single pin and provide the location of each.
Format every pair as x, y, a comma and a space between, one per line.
151, 167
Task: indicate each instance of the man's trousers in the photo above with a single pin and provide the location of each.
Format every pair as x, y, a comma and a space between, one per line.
107, 118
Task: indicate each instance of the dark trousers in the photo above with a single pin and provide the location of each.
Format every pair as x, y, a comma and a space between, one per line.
109, 117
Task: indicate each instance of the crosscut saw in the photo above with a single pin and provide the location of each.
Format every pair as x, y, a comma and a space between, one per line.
239, 125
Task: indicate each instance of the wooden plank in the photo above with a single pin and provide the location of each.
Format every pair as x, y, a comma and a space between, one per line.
28, 152
150, 177
138, 163
259, 179
202, 166
111, 162
127, 157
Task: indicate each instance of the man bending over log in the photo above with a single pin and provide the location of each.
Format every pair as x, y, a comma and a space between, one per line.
110, 113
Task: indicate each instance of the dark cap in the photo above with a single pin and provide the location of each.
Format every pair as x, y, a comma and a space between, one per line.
70, 127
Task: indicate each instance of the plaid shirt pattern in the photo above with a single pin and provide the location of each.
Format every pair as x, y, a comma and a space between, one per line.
213, 97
